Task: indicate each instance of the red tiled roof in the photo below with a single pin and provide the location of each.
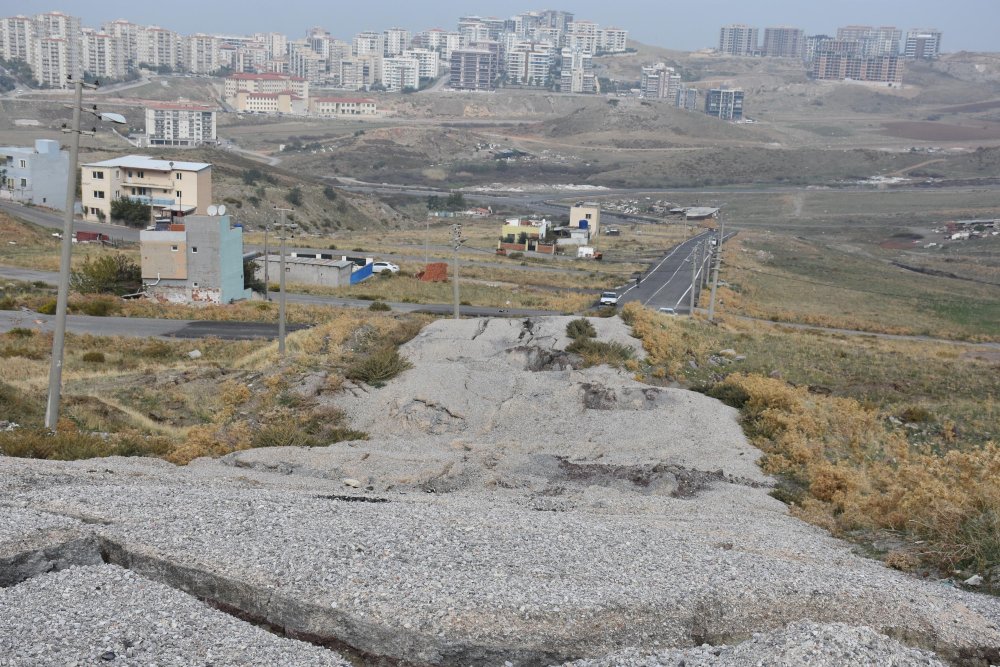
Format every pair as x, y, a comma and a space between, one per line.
348, 100
246, 76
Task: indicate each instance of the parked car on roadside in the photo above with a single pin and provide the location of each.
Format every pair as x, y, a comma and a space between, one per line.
609, 299
382, 267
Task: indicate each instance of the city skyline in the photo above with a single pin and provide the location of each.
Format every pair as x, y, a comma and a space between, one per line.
967, 24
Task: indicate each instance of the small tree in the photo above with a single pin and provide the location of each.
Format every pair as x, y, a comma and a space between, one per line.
250, 279
109, 274
330, 193
130, 212
294, 196
455, 201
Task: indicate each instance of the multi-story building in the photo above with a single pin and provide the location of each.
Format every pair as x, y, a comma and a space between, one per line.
814, 44
36, 175
687, 99
368, 44
883, 41
17, 38
101, 56
586, 215
59, 58
473, 69
725, 103
160, 48
925, 44
200, 53
659, 82
127, 37
842, 66
473, 29
305, 63
557, 20
400, 73
171, 188
737, 39
441, 41
180, 124
612, 40
783, 42
197, 261
429, 62
342, 106
530, 64
582, 36
265, 84
396, 40
576, 74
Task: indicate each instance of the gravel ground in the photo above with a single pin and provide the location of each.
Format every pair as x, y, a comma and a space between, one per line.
501, 514
107, 615
806, 643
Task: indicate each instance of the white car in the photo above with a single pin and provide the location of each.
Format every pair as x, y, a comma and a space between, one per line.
609, 299
668, 311
382, 267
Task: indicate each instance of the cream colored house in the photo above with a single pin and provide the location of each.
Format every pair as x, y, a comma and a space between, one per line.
343, 106
586, 216
256, 86
173, 188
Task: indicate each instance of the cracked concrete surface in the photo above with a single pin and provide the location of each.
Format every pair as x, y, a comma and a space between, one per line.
511, 522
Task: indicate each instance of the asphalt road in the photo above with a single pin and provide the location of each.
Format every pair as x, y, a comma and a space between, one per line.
667, 284
53, 220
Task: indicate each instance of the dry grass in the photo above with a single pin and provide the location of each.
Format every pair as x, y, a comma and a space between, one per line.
865, 435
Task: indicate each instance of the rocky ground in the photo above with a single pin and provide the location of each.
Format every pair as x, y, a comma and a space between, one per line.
508, 508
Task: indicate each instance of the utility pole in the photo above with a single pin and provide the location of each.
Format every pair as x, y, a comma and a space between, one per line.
456, 242
62, 299
718, 264
267, 296
694, 276
283, 234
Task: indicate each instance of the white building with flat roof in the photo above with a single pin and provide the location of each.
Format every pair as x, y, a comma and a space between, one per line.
183, 125
170, 187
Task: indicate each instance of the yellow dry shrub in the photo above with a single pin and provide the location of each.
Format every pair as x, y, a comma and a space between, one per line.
212, 440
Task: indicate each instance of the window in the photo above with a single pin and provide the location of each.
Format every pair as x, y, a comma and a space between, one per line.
140, 174
130, 173
194, 249
23, 164
173, 248
179, 194
98, 194
99, 175
178, 175
24, 182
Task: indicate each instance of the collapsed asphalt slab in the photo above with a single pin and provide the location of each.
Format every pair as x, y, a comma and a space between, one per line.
508, 507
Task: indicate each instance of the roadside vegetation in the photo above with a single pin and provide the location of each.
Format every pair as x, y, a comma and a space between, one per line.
892, 444
134, 397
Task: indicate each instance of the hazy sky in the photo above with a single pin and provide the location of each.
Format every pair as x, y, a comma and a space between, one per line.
693, 24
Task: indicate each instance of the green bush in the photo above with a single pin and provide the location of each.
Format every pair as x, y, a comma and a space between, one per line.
93, 357
130, 212
100, 307
8, 303
378, 367
294, 196
581, 328
596, 352
379, 306
48, 308
108, 274
21, 332
157, 349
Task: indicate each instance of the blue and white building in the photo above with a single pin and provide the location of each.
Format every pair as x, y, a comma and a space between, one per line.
35, 175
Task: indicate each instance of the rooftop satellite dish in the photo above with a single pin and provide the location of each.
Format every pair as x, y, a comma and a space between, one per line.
222, 209
213, 210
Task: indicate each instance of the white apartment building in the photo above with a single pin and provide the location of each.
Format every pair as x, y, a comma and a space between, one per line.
396, 40
429, 62
612, 40
169, 187
127, 37
875, 42
924, 44
400, 73
17, 38
530, 64
737, 39
582, 36
181, 125
473, 29
659, 82
307, 64
51, 62
441, 41
577, 73
159, 47
368, 44
101, 56
201, 53
275, 43
61, 57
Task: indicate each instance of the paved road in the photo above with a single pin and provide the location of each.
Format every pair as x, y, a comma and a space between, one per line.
668, 283
53, 220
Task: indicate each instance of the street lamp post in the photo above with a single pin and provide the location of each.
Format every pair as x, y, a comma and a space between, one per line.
62, 299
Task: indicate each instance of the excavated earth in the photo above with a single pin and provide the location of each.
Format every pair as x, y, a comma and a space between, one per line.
507, 509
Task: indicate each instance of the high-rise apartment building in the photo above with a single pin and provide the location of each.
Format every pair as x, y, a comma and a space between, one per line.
612, 40
17, 38
923, 44
841, 66
400, 73
883, 41
58, 49
783, 42
396, 40
101, 55
200, 53
738, 40
659, 82
473, 69
577, 72
183, 125
429, 62
581, 36
368, 43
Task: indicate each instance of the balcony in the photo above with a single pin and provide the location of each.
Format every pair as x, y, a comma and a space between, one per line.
156, 201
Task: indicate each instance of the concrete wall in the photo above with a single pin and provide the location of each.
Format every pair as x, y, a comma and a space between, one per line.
304, 272
159, 257
42, 181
